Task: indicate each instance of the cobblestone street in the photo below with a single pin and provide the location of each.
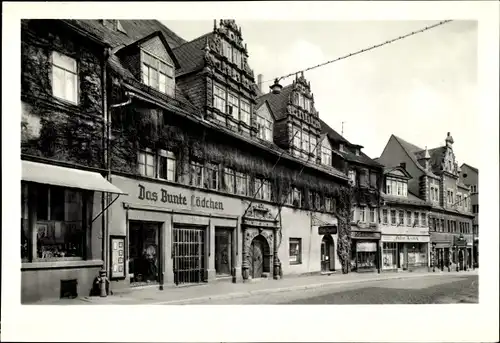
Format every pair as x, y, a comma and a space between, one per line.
443, 289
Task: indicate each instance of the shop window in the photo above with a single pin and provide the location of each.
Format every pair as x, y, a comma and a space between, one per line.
144, 238
401, 218
385, 220
146, 163
166, 165
366, 254
408, 218
196, 174
212, 176
223, 240
59, 229
417, 255
242, 183
64, 77
372, 214
295, 253
389, 253
393, 217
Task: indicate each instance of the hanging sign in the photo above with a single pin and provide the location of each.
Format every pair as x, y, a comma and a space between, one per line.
327, 229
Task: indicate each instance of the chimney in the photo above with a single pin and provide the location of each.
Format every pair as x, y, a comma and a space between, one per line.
259, 81
403, 165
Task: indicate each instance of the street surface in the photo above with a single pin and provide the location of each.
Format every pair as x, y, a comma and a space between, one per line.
445, 289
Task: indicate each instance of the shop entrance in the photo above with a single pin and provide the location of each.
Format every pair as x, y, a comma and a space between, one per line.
144, 238
327, 254
223, 252
189, 255
259, 257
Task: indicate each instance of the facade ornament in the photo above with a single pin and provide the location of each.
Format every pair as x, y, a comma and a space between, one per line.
449, 140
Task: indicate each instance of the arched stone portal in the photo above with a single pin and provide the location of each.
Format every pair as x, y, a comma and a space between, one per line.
259, 257
327, 254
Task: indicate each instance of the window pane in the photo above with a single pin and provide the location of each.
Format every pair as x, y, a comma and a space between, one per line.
162, 86
71, 87
42, 202
58, 83
145, 74
64, 61
150, 171
57, 201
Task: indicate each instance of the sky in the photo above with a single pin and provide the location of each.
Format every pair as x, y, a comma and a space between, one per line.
418, 88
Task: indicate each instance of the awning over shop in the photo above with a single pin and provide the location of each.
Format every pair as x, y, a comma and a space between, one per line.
66, 177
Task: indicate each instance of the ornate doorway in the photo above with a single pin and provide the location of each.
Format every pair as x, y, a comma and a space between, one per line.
258, 257
327, 254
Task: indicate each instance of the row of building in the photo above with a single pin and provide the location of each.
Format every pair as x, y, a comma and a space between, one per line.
163, 162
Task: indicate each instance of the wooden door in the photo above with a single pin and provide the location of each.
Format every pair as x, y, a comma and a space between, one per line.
324, 254
256, 259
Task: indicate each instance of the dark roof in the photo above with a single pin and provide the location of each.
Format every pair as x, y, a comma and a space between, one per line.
136, 29
411, 199
470, 167
412, 150
277, 102
349, 156
190, 54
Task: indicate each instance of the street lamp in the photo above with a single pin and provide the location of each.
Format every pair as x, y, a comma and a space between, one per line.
276, 87
456, 256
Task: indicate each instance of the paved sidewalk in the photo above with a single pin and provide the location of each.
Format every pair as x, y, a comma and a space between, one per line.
227, 290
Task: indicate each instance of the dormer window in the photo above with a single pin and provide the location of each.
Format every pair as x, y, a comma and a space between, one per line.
157, 74
396, 187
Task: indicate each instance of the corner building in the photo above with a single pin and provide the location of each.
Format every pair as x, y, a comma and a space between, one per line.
216, 187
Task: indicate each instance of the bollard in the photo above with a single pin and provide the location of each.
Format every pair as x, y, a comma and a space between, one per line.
102, 283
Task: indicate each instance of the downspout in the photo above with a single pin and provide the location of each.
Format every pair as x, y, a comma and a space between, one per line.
105, 141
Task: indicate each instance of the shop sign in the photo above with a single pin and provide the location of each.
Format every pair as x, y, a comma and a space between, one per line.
405, 238
179, 198
364, 234
327, 229
366, 246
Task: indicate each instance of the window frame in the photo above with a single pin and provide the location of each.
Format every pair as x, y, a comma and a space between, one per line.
217, 88
169, 79
170, 158
264, 125
385, 216
298, 242
65, 70
244, 113
147, 153
193, 164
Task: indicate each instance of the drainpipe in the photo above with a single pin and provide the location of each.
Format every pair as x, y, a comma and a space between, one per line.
105, 141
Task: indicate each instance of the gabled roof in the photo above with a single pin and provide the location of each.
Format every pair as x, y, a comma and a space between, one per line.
335, 136
411, 150
136, 29
470, 167
411, 199
391, 170
277, 102
162, 37
266, 103
190, 54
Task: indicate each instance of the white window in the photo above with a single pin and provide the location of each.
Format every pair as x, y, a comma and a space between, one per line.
237, 57
405, 189
196, 174
393, 217
372, 215
385, 218
241, 183
416, 217
352, 177
146, 163
245, 112
64, 77
265, 128
362, 214
312, 144
408, 218
297, 137
157, 74
229, 180
227, 50
233, 105
424, 218
401, 217
166, 165
212, 174
326, 152
295, 252
262, 188
341, 147
305, 141
296, 197
219, 98
301, 100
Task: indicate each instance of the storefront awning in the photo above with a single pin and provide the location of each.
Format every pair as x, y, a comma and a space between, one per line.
66, 177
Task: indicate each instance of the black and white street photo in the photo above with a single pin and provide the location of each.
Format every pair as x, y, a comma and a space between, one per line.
228, 161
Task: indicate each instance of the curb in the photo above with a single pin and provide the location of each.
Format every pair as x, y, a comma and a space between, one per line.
237, 295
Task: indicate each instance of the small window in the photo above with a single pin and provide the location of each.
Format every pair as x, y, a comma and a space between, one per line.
157, 74
233, 105
166, 165
384, 217
219, 98
424, 219
262, 188
64, 77
265, 127
196, 174
245, 112
393, 217
241, 183
352, 177
296, 197
408, 218
401, 217
146, 163
372, 215
362, 214
295, 253
212, 175
416, 217
229, 180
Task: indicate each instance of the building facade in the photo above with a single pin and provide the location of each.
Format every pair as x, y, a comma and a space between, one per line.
435, 178
63, 166
212, 191
404, 224
469, 176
